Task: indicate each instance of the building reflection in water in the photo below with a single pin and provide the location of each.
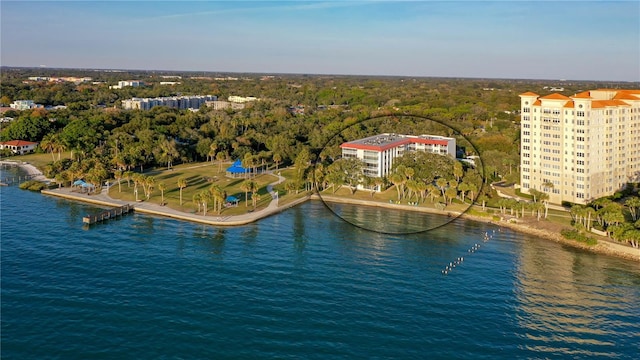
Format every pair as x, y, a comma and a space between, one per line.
564, 296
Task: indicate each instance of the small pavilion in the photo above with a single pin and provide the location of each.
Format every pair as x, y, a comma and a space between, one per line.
237, 171
232, 200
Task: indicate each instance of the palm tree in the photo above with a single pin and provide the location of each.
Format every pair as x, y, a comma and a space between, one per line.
398, 180
463, 188
204, 197
422, 189
197, 200
138, 179
254, 195
547, 185
451, 193
442, 184
458, 171
47, 145
473, 189
128, 175
277, 158
433, 192
118, 176
217, 195
168, 151
212, 151
412, 187
221, 156
483, 200
182, 183
318, 177
544, 199
633, 203
246, 186
162, 187
149, 183
409, 172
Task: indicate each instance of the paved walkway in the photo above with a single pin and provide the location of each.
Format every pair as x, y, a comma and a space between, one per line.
150, 208
503, 195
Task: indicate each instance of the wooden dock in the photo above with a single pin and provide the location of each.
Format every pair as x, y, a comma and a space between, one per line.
108, 214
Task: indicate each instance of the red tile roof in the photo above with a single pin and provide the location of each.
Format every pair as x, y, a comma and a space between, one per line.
582, 95
555, 97
597, 104
529, 93
18, 143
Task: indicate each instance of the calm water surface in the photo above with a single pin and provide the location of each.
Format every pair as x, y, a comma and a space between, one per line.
301, 284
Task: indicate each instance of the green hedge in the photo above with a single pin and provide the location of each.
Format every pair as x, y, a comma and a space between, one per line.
578, 236
33, 185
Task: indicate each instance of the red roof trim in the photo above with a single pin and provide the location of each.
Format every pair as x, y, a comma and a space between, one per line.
404, 141
18, 143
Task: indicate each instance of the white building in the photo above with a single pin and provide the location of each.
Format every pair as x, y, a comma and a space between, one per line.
132, 83
177, 102
24, 105
241, 99
378, 151
586, 145
19, 147
222, 105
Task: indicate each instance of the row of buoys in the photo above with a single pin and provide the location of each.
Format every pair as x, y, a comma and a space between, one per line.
485, 237
452, 265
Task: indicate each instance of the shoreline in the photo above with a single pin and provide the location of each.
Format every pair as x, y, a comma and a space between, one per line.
102, 199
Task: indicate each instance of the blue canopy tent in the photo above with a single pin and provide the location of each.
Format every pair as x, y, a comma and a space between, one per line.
232, 200
84, 185
237, 171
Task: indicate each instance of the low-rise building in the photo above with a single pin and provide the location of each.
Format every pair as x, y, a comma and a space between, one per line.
19, 147
223, 105
378, 151
24, 105
176, 102
242, 99
132, 83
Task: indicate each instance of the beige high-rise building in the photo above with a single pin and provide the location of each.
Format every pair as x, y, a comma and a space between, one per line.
586, 145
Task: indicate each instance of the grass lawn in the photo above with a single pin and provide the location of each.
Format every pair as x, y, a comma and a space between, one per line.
199, 177
38, 160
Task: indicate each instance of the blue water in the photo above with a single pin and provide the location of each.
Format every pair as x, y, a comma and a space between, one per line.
302, 284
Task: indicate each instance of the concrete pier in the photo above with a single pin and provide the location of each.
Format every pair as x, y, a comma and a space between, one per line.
107, 214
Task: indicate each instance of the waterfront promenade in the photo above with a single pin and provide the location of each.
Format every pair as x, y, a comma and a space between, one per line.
104, 199
538, 229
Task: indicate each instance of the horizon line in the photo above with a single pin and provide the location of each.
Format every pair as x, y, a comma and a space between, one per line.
44, 67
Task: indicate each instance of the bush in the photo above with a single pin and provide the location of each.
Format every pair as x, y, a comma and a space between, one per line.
33, 185
578, 236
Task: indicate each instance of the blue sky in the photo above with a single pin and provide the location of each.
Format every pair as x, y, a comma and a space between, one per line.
576, 40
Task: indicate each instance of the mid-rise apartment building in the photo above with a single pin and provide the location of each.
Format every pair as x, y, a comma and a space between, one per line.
177, 102
378, 151
581, 147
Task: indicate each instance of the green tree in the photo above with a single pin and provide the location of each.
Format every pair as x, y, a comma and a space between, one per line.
633, 204
162, 187
182, 183
247, 186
